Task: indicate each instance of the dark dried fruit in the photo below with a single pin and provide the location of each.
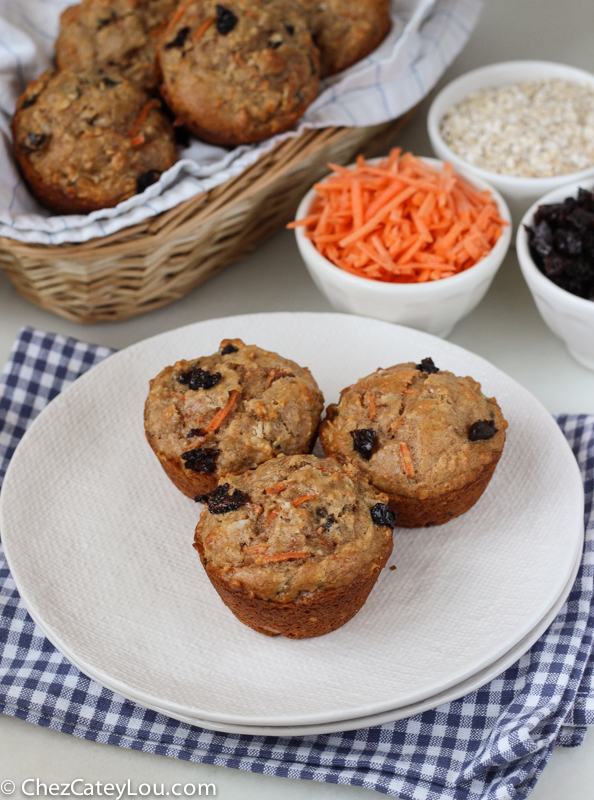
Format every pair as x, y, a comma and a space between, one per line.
35, 141
427, 366
274, 44
147, 179
226, 20
30, 101
179, 40
182, 135
363, 442
103, 23
203, 461
322, 514
229, 349
290, 29
220, 502
561, 242
382, 515
195, 432
197, 378
482, 429
109, 82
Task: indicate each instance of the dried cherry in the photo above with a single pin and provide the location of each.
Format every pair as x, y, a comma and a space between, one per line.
203, 461
179, 40
197, 378
226, 20
482, 429
220, 501
427, 366
363, 440
382, 515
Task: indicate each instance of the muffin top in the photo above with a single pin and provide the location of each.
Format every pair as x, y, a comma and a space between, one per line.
114, 34
88, 140
231, 411
241, 72
415, 430
293, 526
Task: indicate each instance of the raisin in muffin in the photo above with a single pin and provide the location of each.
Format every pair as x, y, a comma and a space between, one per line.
113, 34
87, 141
346, 30
427, 438
228, 412
295, 546
238, 73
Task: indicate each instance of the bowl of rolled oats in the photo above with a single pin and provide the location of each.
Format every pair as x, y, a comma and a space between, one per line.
526, 127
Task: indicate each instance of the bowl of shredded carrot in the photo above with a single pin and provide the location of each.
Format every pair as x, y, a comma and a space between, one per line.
404, 239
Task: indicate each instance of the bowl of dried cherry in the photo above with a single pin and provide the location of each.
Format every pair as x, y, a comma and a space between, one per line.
555, 247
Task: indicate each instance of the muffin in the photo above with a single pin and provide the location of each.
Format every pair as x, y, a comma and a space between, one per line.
429, 439
113, 34
295, 546
89, 140
346, 30
238, 73
229, 412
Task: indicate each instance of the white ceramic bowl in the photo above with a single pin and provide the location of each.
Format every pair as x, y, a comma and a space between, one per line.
434, 306
571, 318
519, 193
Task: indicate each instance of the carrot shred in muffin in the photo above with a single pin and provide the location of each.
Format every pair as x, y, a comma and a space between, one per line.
401, 221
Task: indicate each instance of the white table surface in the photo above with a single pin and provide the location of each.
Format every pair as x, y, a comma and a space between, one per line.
506, 329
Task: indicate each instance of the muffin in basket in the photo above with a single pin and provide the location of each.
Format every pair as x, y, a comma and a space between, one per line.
238, 73
346, 30
228, 412
113, 34
429, 439
295, 546
89, 140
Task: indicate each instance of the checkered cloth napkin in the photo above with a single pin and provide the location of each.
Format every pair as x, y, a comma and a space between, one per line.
490, 745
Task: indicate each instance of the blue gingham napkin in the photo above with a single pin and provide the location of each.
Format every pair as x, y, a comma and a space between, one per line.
490, 745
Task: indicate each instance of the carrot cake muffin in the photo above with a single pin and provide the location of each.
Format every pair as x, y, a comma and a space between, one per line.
86, 141
239, 72
295, 546
429, 439
226, 413
347, 30
114, 34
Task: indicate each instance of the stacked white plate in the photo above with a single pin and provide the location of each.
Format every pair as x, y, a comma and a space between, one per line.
100, 545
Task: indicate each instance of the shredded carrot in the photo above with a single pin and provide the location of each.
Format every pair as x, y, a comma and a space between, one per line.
222, 415
371, 405
273, 558
401, 221
299, 500
273, 515
148, 107
203, 28
279, 487
181, 10
137, 141
255, 548
406, 460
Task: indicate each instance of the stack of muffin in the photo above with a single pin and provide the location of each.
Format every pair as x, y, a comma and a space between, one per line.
95, 131
292, 543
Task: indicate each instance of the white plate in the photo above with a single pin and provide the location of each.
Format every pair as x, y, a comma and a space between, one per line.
100, 545
460, 690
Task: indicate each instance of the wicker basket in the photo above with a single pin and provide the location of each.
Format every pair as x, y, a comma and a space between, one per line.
163, 258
